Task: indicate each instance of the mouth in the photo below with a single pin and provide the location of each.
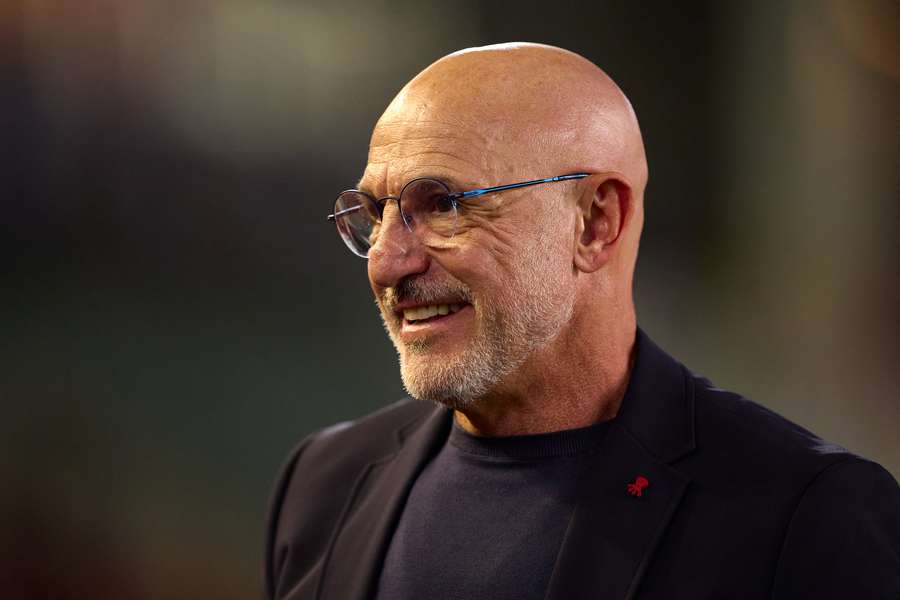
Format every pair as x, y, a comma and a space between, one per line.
419, 314
433, 318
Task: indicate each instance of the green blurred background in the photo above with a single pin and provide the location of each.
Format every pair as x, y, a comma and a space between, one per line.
175, 312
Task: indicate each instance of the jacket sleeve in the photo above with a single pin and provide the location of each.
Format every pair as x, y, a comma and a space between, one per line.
273, 561
843, 540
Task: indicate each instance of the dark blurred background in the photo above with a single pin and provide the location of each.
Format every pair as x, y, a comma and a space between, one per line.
175, 312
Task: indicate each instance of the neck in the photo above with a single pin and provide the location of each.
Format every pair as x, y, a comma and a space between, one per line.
575, 381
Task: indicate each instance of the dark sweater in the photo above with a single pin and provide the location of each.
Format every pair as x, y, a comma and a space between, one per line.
487, 516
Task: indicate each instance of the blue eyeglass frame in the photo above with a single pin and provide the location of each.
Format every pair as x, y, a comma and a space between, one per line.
454, 196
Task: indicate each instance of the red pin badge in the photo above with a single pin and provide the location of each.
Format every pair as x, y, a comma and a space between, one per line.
637, 488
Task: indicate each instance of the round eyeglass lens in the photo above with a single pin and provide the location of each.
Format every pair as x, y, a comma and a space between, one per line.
357, 220
427, 208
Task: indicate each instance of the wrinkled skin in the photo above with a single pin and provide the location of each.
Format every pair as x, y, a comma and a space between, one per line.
544, 272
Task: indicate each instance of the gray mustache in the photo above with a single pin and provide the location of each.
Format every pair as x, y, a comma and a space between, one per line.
427, 292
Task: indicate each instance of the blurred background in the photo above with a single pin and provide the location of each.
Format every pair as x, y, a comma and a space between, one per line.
175, 312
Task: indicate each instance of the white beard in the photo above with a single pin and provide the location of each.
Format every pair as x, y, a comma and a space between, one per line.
531, 312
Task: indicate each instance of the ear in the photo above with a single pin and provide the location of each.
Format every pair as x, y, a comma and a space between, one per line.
602, 212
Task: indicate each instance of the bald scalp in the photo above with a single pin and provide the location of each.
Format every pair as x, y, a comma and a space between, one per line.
545, 110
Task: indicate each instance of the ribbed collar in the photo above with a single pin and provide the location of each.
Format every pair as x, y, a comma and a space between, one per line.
555, 444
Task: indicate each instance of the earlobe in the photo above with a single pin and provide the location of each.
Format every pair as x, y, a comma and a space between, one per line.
601, 216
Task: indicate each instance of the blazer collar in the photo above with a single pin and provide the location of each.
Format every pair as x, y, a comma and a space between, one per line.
612, 534
658, 407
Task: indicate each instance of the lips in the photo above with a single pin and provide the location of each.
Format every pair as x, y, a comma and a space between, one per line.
455, 322
421, 313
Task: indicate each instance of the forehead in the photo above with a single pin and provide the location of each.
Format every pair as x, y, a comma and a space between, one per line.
404, 147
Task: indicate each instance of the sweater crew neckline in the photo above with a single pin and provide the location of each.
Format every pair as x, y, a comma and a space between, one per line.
555, 444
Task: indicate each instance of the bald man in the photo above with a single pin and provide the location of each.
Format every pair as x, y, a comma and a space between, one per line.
549, 449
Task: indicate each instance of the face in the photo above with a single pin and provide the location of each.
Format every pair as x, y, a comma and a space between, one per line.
467, 313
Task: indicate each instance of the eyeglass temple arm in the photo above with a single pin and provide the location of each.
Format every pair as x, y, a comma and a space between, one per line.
479, 192
511, 186
343, 212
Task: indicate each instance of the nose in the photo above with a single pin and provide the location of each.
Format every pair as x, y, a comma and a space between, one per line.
398, 252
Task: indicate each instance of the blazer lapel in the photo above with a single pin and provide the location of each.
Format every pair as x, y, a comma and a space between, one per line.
614, 531
354, 560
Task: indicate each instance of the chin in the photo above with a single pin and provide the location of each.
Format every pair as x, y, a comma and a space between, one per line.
452, 382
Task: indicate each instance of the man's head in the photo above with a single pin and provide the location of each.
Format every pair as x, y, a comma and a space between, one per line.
531, 275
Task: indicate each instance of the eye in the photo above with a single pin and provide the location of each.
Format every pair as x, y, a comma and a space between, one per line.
443, 203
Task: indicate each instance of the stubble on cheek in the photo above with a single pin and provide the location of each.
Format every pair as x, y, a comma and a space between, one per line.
390, 322
392, 325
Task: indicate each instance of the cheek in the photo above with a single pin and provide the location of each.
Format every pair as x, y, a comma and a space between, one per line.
493, 253
482, 260
497, 240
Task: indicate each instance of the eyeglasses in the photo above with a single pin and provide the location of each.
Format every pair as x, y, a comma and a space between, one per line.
427, 206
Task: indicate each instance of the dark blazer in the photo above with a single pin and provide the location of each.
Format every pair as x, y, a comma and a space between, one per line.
740, 503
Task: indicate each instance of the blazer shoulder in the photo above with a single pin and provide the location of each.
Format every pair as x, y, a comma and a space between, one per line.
755, 437
361, 440
843, 537
340, 450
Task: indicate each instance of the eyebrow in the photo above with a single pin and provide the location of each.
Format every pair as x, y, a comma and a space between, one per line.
451, 182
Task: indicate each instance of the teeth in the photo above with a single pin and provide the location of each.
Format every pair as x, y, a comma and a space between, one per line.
426, 312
